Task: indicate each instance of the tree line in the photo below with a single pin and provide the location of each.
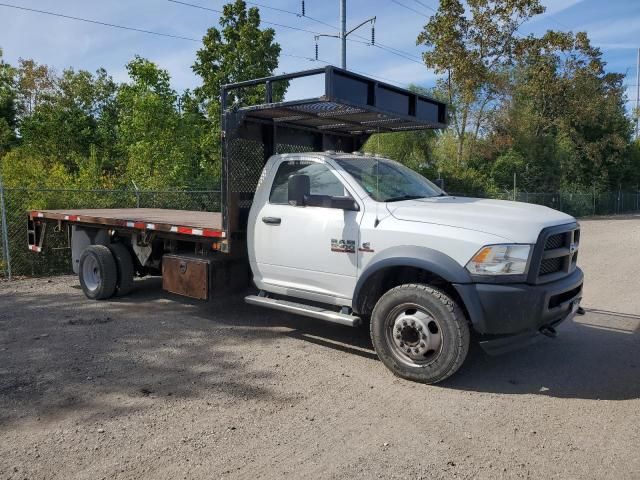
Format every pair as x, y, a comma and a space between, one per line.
543, 108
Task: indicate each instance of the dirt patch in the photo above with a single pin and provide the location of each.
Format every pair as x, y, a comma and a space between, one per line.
155, 386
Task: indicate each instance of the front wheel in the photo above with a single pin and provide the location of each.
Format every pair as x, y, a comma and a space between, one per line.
419, 333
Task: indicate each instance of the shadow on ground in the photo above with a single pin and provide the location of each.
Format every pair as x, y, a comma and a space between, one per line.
595, 357
60, 352
587, 360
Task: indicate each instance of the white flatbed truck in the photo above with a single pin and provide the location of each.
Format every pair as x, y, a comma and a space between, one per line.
344, 237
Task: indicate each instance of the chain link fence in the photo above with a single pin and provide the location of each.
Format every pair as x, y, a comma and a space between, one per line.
17, 261
575, 204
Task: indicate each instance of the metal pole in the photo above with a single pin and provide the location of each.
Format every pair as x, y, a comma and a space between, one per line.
137, 194
638, 97
619, 198
5, 232
343, 32
514, 186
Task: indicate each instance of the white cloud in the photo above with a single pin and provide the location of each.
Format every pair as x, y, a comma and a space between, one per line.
611, 30
557, 6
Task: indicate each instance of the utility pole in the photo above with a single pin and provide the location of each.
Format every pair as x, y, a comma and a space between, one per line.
342, 36
638, 97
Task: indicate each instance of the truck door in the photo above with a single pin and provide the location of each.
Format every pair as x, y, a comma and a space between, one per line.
307, 248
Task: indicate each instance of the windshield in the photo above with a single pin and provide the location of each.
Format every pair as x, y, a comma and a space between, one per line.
388, 181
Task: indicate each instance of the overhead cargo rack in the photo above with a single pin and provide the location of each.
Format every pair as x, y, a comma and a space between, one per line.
351, 109
351, 104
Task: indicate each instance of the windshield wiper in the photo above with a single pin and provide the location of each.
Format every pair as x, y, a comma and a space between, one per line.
404, 197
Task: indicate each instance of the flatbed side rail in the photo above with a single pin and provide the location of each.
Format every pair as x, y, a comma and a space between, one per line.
37, 221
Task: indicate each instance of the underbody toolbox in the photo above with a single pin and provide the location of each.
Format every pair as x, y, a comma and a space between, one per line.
186, 275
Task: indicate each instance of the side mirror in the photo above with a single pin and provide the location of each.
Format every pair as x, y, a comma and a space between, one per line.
344, 203
299, 187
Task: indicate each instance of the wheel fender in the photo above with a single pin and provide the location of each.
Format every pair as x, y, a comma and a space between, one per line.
81, 238
424, 258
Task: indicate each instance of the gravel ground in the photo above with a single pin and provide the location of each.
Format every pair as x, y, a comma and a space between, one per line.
156, 386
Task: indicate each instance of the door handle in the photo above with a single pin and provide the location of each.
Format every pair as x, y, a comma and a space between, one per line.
272, 220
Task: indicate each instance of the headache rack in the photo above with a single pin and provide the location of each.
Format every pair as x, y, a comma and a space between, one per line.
351, 108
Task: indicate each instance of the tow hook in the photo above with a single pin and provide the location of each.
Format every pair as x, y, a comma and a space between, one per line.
549, 331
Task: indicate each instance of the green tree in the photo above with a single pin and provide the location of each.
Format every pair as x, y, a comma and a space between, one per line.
239, 50
474, 50
8, 108
35, 84
413, 149
74, 117
506, 165
566, 116
160, 132
148, 124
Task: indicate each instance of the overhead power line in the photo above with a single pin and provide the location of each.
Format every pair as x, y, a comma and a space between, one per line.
327, 24
193, 5
162, 34
367, 41
426, 6
410, 8
97, 22
290, 12
389, 49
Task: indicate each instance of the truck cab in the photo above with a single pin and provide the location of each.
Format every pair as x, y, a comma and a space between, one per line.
370, 239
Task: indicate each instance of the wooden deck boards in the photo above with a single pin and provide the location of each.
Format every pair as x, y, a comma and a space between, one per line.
185, 218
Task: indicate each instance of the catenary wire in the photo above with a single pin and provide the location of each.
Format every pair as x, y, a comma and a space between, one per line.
178, 37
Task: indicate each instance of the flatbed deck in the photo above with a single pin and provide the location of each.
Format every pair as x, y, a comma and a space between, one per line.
181, 222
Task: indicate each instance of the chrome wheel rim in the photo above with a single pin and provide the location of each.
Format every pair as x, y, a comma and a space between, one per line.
415, 336
91, 273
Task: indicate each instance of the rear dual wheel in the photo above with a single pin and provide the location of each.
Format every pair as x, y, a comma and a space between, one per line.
420, 333
124, 265
105, 271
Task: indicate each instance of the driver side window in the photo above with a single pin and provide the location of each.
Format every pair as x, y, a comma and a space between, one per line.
323, 181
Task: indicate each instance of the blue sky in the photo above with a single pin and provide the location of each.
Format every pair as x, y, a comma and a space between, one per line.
614, 26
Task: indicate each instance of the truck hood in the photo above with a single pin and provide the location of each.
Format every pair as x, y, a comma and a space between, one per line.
514, 221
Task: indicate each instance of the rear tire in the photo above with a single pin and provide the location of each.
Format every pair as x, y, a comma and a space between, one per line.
419, 333
98, 272
124, 265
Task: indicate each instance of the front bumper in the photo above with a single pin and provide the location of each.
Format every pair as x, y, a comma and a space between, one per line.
511, 315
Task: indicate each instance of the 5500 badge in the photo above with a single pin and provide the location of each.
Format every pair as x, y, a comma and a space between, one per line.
343, 246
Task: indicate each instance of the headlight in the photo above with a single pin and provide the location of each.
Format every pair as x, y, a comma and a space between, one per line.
500, 260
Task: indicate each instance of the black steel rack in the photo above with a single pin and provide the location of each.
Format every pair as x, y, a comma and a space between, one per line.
351, 109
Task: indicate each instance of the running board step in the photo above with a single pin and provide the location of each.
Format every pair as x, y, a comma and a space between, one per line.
302, 309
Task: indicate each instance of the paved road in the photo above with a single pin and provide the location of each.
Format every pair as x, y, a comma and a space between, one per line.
154, 386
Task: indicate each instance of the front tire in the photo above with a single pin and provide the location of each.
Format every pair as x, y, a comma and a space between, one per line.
420, 333
98, 272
